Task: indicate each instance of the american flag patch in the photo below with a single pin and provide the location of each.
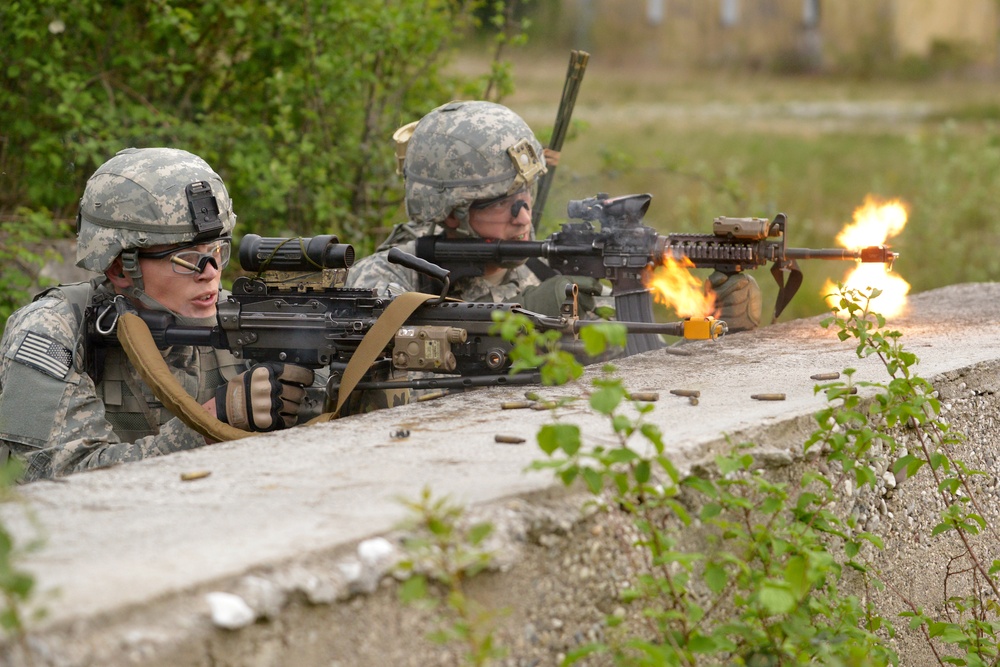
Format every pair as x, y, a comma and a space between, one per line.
44, 354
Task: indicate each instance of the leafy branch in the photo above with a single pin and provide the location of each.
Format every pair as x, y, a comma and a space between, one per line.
442, 553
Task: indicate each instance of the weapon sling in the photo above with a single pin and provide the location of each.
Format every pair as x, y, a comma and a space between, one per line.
371, 346
135, 339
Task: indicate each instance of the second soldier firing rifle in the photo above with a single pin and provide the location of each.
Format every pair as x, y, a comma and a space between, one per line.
293, 311
621, 247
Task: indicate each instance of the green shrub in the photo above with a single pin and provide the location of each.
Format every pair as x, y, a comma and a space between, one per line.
767, 583
22, 254
293, 103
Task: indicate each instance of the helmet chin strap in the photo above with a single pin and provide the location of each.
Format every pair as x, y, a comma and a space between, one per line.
464, 229
130, 266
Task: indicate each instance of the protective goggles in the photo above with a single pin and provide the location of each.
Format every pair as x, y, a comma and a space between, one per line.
512, 202
186, 262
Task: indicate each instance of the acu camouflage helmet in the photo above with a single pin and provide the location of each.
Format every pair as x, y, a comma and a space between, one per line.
464, 152
145, 197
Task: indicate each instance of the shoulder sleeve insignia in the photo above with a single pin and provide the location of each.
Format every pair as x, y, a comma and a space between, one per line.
44, 354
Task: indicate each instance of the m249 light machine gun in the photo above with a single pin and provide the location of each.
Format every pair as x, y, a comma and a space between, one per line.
293, 310
620, 248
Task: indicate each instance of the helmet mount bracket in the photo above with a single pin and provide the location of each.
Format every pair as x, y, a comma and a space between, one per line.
204, 211
529, 165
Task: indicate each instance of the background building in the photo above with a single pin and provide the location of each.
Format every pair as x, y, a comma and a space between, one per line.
782, 34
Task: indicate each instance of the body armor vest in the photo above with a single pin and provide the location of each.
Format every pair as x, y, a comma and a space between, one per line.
130, 406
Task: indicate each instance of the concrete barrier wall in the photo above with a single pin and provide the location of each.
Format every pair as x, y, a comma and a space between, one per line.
302, 525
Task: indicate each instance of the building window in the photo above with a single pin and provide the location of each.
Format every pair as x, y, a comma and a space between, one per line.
810, 13
655, 11
729, 13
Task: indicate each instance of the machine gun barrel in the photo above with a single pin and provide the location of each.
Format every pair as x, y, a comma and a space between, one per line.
707, 328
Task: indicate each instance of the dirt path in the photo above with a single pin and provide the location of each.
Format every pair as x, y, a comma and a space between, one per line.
755, 101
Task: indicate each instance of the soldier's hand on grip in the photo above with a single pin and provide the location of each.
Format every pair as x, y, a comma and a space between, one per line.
739, 300
547, 298
265, 398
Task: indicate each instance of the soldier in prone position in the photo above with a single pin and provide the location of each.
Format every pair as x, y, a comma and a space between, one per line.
157, 224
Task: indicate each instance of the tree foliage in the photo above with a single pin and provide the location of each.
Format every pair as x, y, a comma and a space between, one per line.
293, 103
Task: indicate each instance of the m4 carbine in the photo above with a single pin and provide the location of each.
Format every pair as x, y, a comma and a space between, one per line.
620, 248
295, 311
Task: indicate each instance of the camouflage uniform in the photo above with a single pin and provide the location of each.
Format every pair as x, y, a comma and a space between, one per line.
459, 153
53, 413
66, 405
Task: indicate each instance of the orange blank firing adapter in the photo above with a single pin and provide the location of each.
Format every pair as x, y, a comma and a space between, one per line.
704, 328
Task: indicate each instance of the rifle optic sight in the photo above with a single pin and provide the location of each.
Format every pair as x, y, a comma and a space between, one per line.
258, 253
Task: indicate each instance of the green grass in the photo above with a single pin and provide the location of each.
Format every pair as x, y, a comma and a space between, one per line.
721, 143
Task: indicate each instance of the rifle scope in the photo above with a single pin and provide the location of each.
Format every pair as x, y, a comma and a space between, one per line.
627, 208
295, 253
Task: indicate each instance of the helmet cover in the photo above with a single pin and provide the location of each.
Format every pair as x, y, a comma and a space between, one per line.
145, 197
464, 152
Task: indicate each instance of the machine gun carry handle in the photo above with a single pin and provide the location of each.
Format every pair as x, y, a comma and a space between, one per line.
397, 256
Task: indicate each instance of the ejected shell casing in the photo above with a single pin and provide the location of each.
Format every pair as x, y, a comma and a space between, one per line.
508, 439
197, 474
691, 393
648, 396
768, 397
515, 405
545, 405
825, 376
693, 400
431, 396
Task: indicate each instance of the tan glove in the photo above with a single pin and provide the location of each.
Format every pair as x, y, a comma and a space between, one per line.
738, 299
265, 398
